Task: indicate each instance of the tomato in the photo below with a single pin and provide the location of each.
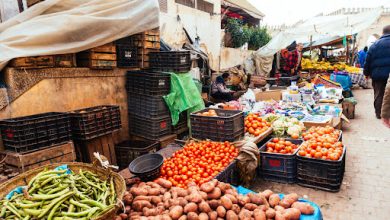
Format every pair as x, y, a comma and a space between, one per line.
275, 140
302, 153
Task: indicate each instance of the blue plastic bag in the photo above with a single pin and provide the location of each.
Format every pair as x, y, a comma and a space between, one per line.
317, 215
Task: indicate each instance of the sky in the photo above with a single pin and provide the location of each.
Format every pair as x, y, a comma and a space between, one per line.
291, 11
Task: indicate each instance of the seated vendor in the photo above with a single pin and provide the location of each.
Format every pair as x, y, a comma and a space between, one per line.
219, 90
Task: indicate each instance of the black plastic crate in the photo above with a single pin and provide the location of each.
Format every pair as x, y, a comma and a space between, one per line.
151, 129
229, 174
89, 123
227, 126
29, 133
279, 167
170, 61
127, 151
321, 174
148, 83
126, 56
147, 106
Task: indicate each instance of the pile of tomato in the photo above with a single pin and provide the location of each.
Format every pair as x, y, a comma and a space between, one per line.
322, 143
281, 146
255, 125
198, 162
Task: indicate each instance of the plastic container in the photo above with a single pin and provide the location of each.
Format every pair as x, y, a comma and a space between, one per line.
127, 151
227, 126
126, 56
148, 83
29, 133
320, 174
279, 167
229, 174
147, 167
147, 106
170, 61
89, 123
151, 129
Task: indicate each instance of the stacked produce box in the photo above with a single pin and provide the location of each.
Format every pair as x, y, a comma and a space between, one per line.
149, 116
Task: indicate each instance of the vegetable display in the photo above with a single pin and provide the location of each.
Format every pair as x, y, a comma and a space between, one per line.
285, 125
281, 146
61, 194
255, 125
211, 200
321, 143
198, 162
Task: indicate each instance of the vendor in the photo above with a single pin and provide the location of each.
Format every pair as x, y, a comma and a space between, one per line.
219, 90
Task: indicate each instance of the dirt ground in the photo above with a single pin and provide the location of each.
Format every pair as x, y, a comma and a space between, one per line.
366, 185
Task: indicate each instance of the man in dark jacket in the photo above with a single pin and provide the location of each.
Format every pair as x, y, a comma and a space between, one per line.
377, 67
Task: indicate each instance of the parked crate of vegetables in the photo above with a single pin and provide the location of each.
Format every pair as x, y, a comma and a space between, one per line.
217, 125
278, 160
29, 133
63, 191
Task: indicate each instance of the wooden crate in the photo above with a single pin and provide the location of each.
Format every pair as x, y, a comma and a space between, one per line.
104, 145
59, 153
65, 60
35, 62
102, 57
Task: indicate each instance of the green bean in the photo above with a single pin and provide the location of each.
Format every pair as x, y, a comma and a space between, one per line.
78, 204
52, 212
70, 208
80, 214
27, 217
45, 173
10, 207
68, 218
93, 203
88, 181
30, 205
55, 201
3, 209
51, 196
33, 212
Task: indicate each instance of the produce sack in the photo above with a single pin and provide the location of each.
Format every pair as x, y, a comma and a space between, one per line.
184, 96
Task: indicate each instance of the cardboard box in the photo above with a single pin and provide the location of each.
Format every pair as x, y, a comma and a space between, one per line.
318, 124
268, 95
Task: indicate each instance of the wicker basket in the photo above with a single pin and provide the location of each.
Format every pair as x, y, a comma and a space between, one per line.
24, 178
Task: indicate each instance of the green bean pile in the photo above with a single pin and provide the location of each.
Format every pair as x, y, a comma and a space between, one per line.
56, 195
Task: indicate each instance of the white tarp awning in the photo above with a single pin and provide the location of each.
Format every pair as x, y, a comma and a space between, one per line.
69, 26
320, 28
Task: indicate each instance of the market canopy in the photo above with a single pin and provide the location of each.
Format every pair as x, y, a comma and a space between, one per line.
321, 27
60, 27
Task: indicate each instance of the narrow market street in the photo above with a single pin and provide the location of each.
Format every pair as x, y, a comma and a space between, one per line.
365, 187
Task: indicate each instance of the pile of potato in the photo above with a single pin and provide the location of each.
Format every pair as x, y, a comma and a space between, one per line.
213, 200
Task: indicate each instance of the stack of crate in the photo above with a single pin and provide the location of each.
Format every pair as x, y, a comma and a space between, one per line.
146, 42
101, 57
149, 116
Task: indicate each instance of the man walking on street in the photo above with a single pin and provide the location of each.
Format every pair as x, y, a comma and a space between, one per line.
377, 67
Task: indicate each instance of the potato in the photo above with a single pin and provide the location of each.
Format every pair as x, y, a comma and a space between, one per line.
257, 199
259, 214
236, 208
152, 212
118, 218
190, 207
224, 186
292, 196
304, 207
164, 183
194, 197
146, 198
214, 204
140, 204
221, 211
286, 202
204, 207
176, 212
128, 199
139, 191
245, 215
154, 192
270, 213
250, 206
153, 185
213, 215
215, 194
267, 193
292, 214
156, 199
123, 216
242, 200
274, 200
279, 208
181, 192
262, 207
232, 198
167, 196
279, 216
192, 216
209, 186
204, 195
226, 202
230, 215
232, 192
183, 217
203, 216
127, 209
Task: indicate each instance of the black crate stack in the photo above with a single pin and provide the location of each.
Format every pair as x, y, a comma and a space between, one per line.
149, 116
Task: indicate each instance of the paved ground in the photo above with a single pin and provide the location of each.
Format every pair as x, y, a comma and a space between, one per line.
365, 191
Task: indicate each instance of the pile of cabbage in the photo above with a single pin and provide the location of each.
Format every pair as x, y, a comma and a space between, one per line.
283, 125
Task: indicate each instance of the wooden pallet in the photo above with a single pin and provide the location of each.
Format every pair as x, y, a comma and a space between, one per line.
102, 57
104, 145
35, 62
23, 162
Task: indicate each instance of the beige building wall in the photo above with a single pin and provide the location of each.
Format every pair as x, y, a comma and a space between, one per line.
375, 29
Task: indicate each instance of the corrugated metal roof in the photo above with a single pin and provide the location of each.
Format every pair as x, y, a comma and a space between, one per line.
244, 4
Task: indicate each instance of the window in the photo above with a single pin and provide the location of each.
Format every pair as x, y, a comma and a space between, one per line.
189, 3
205, 6
163, 5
